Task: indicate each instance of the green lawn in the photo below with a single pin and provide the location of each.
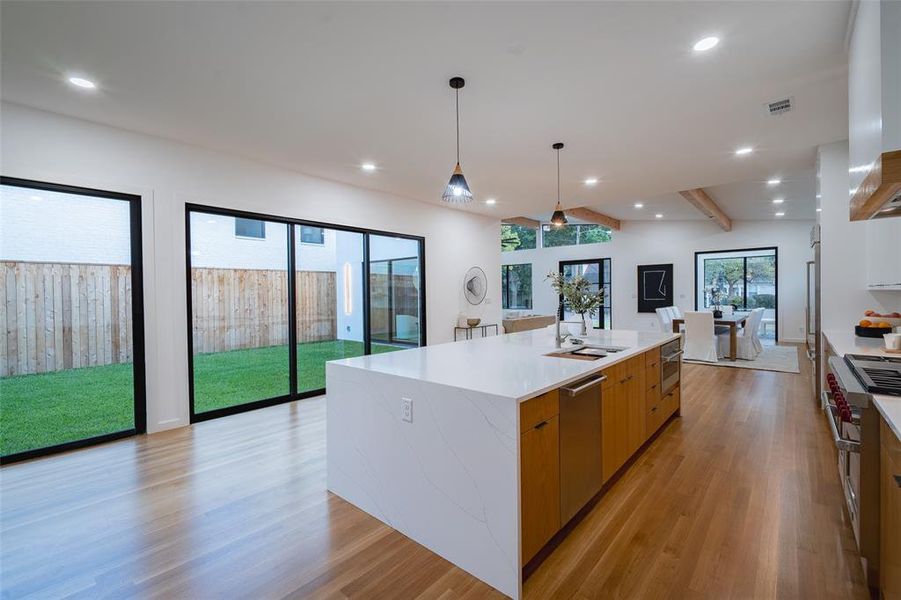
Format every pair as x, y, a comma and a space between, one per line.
53, 408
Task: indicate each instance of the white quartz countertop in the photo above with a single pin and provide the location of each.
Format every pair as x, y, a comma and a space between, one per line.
512, 365
845, 342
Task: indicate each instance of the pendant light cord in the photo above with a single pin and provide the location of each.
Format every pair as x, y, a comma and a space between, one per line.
558, 178
457, 92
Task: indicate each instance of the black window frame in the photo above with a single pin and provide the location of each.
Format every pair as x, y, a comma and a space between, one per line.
602, 283
775, 250
505, 287
139, 368
291, 222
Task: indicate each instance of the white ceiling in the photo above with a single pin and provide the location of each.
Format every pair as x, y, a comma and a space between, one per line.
322, 87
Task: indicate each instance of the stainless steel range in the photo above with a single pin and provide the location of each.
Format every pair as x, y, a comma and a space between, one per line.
851, 383
877, 374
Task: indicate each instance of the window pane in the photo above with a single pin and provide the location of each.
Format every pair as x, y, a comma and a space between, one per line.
394, 289
724, 280
591, 270
312, 235
517, 237
239, 295
68, 367
329, 302
250, 228
516, 286
574, 234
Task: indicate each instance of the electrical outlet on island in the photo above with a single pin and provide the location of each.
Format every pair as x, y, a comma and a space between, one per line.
407, 410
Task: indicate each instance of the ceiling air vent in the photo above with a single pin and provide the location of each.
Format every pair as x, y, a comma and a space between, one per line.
779, 107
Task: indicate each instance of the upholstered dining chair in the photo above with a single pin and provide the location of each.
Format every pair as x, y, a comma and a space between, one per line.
700, 339
747, 342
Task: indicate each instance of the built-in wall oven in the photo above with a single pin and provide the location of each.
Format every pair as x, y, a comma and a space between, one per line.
670, 365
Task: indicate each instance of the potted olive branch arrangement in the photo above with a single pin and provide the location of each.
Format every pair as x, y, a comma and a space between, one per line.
577, 296
715, 297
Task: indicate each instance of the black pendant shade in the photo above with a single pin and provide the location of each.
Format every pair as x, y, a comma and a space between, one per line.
558, 219
457, 190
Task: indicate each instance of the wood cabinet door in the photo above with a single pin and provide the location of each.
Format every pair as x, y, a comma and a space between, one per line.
540, 485
890, 515
635, 406
614, 429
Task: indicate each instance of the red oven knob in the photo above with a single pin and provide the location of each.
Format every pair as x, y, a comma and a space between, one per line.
830, 377
833, 387
846, 414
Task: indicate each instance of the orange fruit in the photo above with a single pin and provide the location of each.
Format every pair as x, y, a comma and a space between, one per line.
883, 324
865, 323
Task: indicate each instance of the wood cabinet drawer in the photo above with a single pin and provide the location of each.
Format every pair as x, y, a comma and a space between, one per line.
540, 485
670, 402
653, 410
652, 358
538, 409
615, 374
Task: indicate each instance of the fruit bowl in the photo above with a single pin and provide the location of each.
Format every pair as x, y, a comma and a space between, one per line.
871, 332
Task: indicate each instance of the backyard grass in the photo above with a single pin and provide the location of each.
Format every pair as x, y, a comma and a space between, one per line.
43, 410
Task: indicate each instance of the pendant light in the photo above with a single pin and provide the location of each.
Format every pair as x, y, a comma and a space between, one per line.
558, 219
457, 190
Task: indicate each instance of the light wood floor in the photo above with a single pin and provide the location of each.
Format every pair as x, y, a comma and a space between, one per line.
737, 499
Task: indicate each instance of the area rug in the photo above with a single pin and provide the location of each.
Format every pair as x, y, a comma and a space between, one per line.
773, 358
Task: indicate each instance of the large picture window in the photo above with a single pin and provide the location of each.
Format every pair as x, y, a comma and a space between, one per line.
574, 235
267, 313
72, 348
516, 286
517, 237
741, 279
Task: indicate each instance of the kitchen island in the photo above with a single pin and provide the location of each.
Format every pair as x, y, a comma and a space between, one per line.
458, 446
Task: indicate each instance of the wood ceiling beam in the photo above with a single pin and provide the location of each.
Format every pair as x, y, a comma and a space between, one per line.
586, 214
522, 222
704, 203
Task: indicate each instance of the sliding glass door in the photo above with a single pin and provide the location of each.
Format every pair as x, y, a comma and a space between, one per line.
597, 272
239, 310
742, 279
329, 305
395, 295
271, 300
71, 318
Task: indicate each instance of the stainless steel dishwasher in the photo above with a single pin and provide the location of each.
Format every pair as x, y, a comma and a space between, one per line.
580, 444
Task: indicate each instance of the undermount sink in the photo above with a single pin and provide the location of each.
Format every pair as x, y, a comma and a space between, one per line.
586, 352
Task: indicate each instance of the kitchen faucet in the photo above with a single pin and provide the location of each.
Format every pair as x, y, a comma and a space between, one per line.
558, 340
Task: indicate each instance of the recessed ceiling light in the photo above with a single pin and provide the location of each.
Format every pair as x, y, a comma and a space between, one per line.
638, 205
819, 196
490, 201
780, 214
658, 216
82, 82
591, 181
819, 209
368, 167
774, 182
35, 198
778, 200
705, 44
743, 151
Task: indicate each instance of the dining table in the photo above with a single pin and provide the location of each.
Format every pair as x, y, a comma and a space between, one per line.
733, 322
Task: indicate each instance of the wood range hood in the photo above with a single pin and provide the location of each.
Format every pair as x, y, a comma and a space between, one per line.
879, 194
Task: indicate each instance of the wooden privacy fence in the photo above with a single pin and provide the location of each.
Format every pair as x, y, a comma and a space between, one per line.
63, 316
236, 308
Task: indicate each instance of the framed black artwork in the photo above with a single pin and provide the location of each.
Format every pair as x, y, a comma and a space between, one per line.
655, 287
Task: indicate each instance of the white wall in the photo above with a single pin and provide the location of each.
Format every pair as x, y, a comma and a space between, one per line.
843, 250
50, 147
645, 242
